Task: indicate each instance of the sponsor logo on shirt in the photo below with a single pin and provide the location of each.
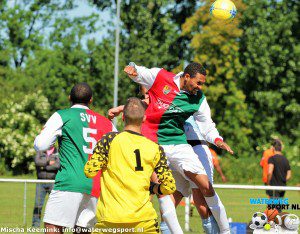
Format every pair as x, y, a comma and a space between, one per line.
170, 108
166, 89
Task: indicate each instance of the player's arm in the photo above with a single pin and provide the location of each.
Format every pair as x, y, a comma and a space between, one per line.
142, 75
270, 170
167, 182
49, 134
219, 170
115, 111
53, 164
99, 158
40, 160
289, 172
288, 175
208, 128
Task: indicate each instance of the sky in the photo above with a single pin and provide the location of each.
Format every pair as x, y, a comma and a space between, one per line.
83, 9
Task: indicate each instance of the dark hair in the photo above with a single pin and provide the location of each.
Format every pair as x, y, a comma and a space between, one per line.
134, 111
81, 93
193, 68
277, 145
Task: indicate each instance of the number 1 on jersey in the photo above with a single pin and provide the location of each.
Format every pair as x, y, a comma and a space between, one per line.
138, 160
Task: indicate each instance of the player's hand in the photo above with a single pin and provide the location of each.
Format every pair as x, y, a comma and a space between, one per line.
222, 144
224, 179
113, 112
130, 71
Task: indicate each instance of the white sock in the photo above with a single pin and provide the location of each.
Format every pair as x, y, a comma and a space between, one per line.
169, 214
218, 210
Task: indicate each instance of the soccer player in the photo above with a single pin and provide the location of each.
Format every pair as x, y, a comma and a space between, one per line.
173, 99
127, 160
264, 162
73, 200
169, 223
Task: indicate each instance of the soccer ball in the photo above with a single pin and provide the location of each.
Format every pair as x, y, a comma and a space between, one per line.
258, 220
223, 9
291, 222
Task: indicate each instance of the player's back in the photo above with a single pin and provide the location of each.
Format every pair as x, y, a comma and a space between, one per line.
81, 130
126, 179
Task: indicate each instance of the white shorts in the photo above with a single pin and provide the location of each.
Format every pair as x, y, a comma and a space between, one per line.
68, 209
183, 158
205, 157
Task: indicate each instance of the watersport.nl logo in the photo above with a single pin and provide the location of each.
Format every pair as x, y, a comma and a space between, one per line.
275, 203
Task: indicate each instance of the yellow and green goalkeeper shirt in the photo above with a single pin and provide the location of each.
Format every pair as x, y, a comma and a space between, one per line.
127, 160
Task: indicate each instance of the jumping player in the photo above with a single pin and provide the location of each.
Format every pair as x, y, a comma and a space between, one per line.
173, 99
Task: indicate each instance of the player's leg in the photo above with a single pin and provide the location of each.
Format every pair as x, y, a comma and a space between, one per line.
184, 190
40, 194
212, 199
61, 210
86, 216
209, 223
170, 223
184, 160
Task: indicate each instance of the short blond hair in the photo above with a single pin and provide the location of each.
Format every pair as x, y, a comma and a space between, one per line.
134, 111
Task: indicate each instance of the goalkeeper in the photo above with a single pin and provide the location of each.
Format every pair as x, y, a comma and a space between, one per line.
127, 161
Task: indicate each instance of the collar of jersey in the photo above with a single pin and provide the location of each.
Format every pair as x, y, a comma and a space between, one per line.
80, 106
132, 132
177, 79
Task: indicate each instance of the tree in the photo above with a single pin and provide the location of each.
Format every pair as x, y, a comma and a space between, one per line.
216, 45
270, 55
20, 122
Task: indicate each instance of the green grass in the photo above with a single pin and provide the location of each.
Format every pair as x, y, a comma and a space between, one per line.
236, 202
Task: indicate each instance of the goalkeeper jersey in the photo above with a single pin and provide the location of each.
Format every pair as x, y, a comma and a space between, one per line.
78, 129
128, 160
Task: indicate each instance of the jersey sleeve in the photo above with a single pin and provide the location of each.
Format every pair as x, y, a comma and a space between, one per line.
164, 174
49, 134
146, 76
271, 160
99, 158
206, 125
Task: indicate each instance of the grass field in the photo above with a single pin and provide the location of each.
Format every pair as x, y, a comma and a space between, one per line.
236, 202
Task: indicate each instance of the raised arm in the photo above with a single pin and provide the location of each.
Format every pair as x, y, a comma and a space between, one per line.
115, 111
142, 75
164, 175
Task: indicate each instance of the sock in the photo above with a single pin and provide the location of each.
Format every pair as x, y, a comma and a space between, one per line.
164, 228
210, 225
218, 210
169, 214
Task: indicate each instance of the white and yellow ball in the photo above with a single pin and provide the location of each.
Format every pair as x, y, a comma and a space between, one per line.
223, 9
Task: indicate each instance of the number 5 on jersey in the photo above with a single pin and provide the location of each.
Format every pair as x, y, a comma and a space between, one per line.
88, 139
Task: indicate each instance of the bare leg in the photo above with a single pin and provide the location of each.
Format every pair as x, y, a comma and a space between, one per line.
212, 199
200, 204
